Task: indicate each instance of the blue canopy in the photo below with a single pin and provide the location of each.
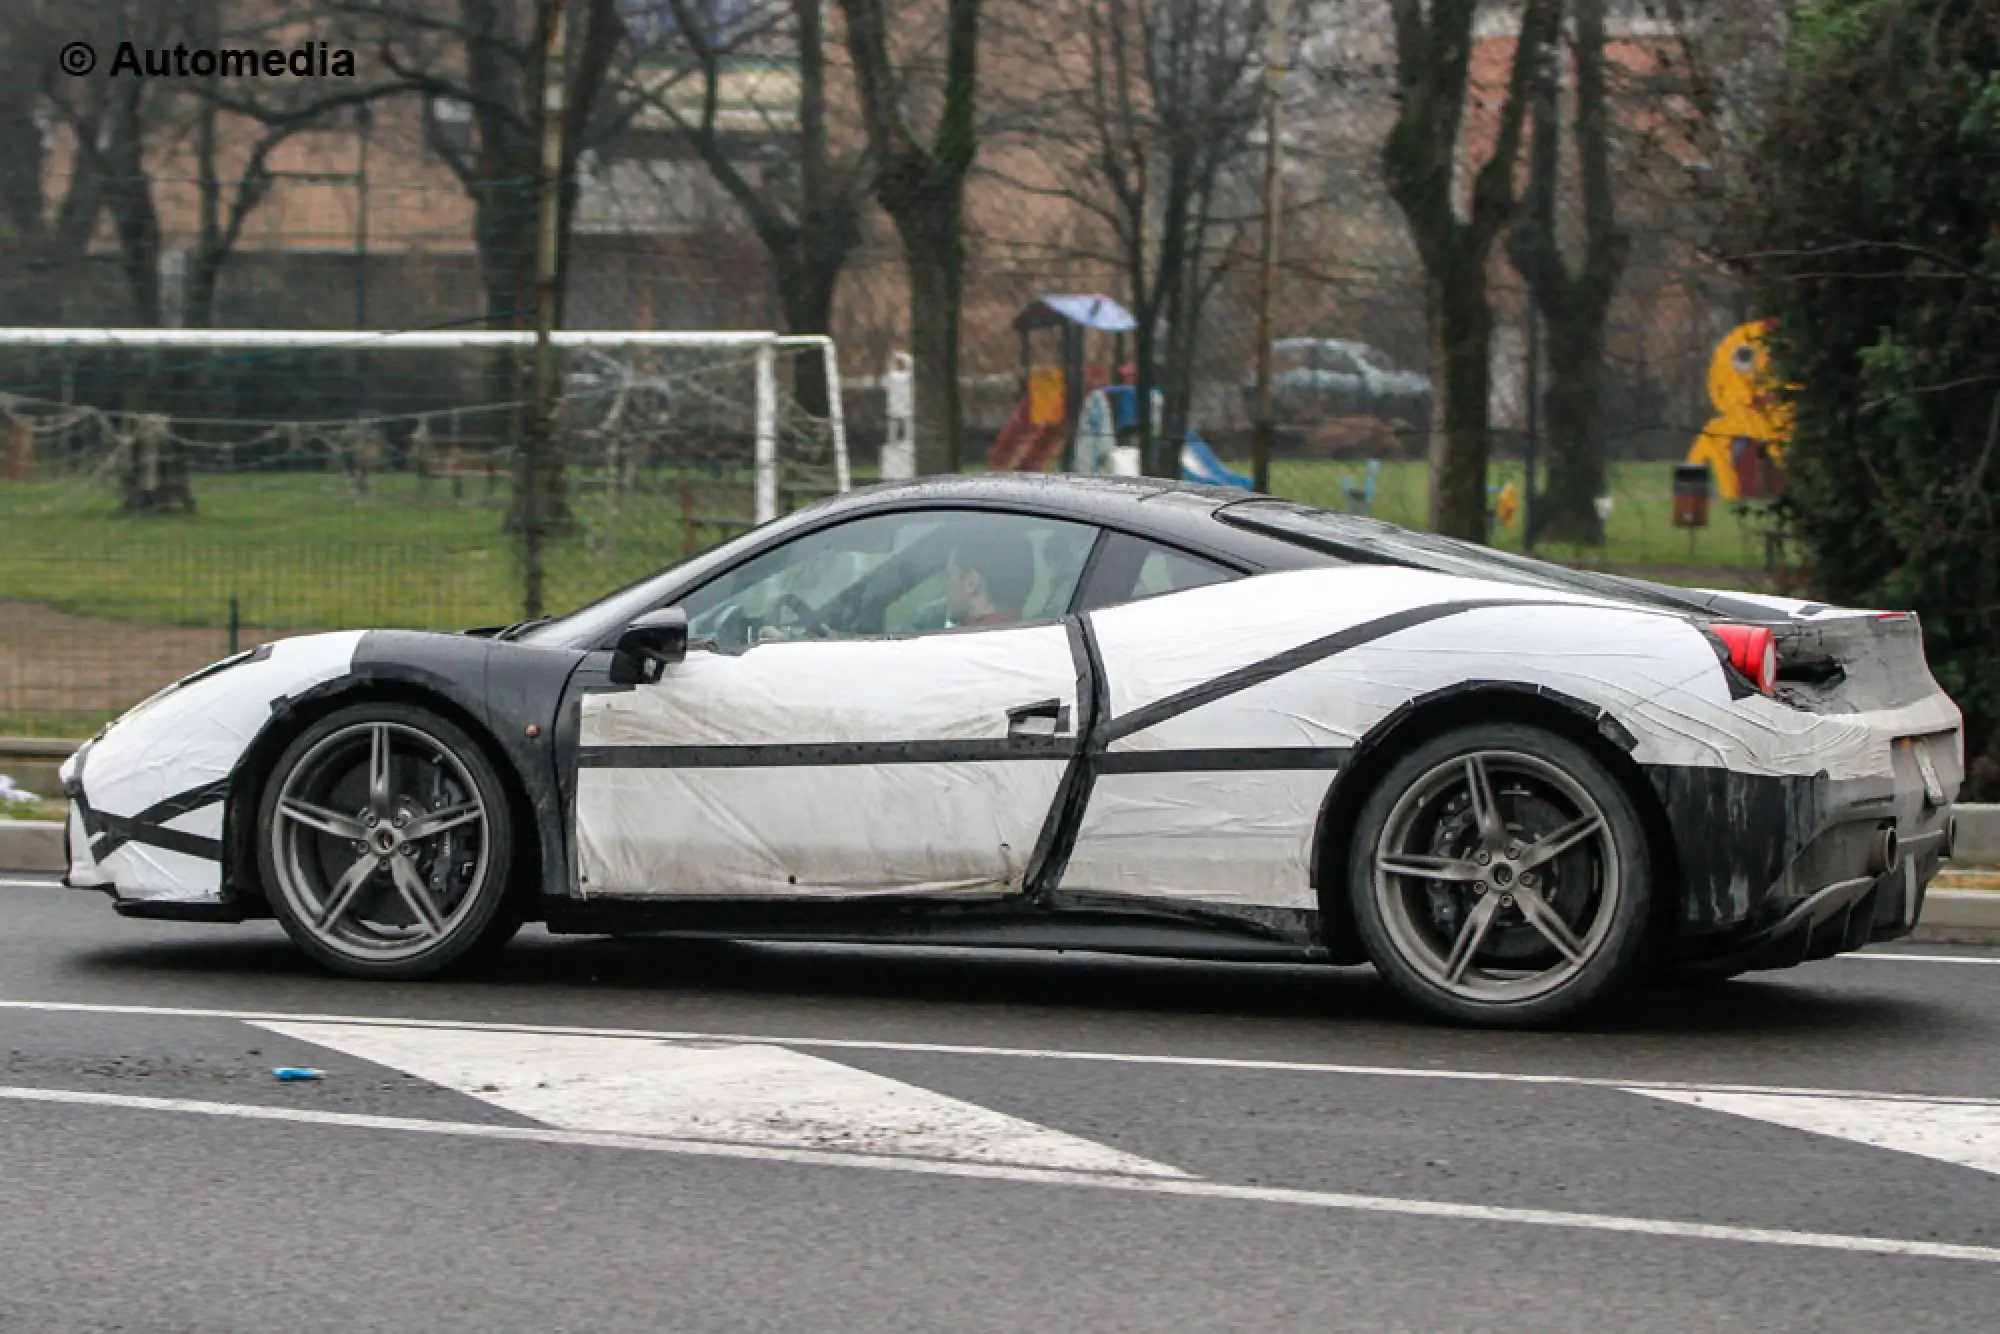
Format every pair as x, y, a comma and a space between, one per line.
1092, 312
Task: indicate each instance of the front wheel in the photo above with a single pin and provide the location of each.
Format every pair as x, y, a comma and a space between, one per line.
384, 844
1499, 876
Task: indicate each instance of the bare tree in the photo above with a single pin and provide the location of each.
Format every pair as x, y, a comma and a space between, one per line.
490, 57
45, 227
229, 191
920, 182
1420, 159
117, 154
1143, 130
808, 216
1573, 300
133, 135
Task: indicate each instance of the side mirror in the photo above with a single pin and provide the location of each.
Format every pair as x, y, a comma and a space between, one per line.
650, 645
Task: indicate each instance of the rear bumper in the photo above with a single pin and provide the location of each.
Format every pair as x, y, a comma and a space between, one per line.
1837, 917
1779, 870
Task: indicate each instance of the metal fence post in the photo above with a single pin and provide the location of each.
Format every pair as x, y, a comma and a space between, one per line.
767, 431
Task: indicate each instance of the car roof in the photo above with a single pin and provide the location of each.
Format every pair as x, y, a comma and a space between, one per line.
1096, 494
1172, 511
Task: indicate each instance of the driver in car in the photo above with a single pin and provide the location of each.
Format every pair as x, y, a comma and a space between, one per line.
987, 583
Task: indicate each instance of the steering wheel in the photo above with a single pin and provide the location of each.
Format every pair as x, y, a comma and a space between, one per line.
803, 613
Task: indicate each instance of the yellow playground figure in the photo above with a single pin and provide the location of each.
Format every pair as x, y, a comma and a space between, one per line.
1745, 440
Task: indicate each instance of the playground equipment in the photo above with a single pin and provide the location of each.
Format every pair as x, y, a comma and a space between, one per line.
1744, 442
1052, 396
899, 447
1111, 416
1074, 403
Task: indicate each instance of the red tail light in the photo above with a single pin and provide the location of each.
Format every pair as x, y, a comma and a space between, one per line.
1753, 652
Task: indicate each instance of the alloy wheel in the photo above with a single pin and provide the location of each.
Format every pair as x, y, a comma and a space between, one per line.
381, 841
1497, 876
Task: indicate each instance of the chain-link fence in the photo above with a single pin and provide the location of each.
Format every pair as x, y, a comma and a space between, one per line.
165, 503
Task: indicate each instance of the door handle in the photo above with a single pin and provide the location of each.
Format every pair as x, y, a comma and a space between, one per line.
1048, 717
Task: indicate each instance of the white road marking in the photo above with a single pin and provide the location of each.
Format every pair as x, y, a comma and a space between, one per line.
1147, 1185
1890, 956
30, 884
1019, 1053
736, 1093
1967, 1134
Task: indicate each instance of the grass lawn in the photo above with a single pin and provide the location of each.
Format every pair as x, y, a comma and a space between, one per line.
300, 551
303, 551
1640, 532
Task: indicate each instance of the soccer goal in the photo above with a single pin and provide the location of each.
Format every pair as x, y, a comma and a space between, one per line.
715, 399
216, 485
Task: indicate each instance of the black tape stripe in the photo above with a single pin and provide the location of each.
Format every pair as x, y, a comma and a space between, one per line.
120, 830
106, 833
180, 804
1211, 760
1354, 636
796, 755
1065, 813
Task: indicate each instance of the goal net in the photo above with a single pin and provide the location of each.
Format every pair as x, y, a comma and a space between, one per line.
167, 493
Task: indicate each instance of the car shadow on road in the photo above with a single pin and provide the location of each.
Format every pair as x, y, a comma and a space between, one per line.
567, 969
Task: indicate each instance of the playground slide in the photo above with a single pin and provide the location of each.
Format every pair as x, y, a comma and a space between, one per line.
1199, 464
1035, 430
1024, 445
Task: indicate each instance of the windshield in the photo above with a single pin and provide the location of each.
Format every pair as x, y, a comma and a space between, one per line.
1355, 538
593, 623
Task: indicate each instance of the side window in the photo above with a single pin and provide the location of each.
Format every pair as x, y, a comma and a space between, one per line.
893, 574
1132, 568
1338, 359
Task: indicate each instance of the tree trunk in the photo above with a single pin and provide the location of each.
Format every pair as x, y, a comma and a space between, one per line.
1420, 161
930, 256
1567, 510
1461, 342
809, 309
132, 212
922, 187
1574, 304
504, 229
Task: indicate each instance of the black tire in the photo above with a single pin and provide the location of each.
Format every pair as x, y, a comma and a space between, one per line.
1489, 930
336, 848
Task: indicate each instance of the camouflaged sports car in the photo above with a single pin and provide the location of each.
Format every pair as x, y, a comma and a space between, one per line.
1062, 712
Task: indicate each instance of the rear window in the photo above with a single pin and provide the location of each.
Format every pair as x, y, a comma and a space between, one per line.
1370, 541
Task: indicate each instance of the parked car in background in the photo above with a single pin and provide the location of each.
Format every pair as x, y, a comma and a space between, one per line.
1315, 380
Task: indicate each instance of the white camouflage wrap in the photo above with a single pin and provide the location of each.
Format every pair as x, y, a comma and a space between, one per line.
693, 825
183, 744
1166, 817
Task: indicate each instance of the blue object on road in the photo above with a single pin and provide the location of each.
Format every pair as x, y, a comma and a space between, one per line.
291, 1072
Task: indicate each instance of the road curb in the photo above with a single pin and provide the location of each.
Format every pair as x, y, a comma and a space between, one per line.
1978, 833
35, 763
1960, 917
31, 845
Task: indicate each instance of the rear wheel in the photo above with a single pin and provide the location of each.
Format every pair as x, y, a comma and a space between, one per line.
384, 842
1499, 876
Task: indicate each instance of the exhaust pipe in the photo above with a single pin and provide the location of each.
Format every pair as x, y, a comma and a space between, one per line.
1885, 853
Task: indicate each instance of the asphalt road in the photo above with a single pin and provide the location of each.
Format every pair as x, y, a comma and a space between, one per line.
646, 1136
